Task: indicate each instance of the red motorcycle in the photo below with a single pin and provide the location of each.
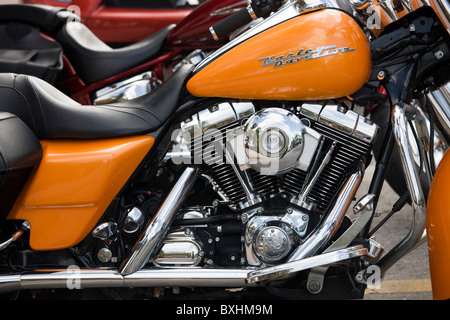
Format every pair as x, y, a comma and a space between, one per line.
52, 44
125, 21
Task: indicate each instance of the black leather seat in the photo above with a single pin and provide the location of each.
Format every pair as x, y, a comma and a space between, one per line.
46, 17
93, 59
52, 114
20, 151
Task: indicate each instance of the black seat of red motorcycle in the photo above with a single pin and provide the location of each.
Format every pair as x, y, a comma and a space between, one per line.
95, 61
52, 114
47, 17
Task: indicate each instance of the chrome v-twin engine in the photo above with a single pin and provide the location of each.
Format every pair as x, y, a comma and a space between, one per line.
279, 168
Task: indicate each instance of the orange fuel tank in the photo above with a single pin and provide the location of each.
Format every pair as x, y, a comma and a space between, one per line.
314, 56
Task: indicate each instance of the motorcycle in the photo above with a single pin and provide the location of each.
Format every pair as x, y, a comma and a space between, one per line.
52, 44
235, 177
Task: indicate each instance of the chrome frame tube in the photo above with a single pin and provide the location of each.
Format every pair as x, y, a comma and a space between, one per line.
317, 239
440, 102
159, 225
418, 201
425, 149
310, 184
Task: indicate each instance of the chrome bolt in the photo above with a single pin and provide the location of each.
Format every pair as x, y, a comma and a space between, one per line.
104, 255
314, 286
439, 54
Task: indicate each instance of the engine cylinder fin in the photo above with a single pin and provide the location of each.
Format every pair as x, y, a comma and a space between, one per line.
226, 178
264, 184
348, 141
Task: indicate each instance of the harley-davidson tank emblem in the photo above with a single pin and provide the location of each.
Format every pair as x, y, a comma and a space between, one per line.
302, 54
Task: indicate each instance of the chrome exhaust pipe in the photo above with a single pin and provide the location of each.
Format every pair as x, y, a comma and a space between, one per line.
76, 278
157, 228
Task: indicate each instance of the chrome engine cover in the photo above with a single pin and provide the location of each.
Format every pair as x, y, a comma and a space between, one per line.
271, 238
180, 249
276, 141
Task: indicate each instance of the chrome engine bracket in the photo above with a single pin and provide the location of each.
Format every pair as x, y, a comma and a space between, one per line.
272, 273
365, 207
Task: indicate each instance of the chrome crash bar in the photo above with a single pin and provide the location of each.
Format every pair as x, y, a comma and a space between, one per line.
417, 231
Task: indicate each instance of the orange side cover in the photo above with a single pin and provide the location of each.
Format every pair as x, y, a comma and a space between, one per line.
73, 186
438, 230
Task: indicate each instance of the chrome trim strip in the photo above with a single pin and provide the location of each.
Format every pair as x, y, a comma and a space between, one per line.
213, 33
389, 10
445, 7
318, 238
158, 227
251, 12
310, 5
272, 273
407, 5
